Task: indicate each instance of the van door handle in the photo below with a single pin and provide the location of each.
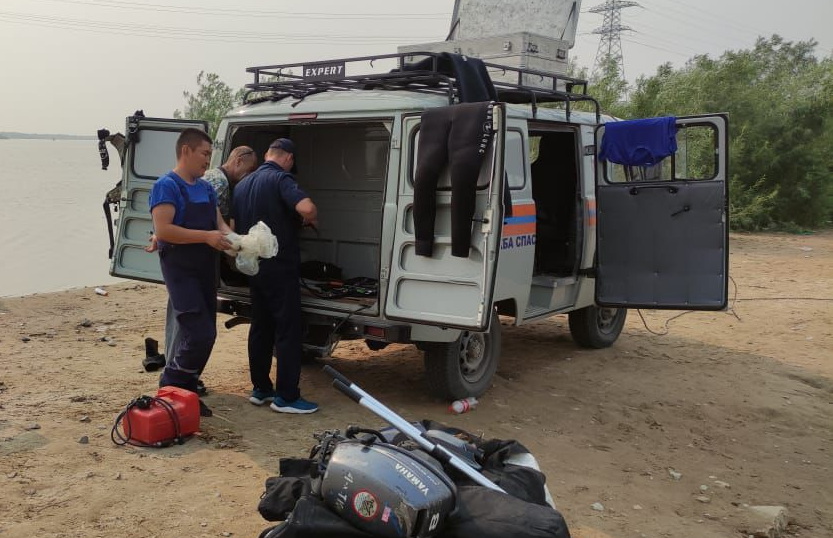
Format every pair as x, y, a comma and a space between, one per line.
671, 190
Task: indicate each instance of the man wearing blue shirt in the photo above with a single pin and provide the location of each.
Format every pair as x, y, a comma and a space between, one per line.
190, 231
271, 194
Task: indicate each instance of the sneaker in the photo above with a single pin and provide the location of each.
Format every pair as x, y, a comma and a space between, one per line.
299, 406
260, 397
201, 390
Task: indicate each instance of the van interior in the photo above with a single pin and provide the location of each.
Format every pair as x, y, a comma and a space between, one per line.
555, 180
343, 167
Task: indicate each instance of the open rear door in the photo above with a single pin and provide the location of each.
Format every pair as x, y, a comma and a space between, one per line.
663, 230
445, 290
150, 153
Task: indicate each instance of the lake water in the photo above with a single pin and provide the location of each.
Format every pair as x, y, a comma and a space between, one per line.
52, 226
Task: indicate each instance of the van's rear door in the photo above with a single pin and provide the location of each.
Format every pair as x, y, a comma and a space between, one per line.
150, 153
445, 290
663, 231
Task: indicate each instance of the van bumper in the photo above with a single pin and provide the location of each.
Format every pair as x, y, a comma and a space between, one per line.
321, 329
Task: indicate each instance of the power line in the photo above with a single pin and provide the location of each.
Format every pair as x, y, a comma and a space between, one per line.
712, 20
209, 35
707, 29
140, 6
663, 49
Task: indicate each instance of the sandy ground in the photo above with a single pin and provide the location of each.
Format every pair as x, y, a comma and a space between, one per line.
744, 397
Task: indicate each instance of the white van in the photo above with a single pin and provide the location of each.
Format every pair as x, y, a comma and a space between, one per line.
582, 237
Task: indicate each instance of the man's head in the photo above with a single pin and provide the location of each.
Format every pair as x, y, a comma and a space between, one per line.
240, 162
193, 152
282, 152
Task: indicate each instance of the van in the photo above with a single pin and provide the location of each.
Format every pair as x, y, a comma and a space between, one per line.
556, 229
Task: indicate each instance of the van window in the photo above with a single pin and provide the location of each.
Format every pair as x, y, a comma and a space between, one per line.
146, 161
514, 165
695, 160
444, 181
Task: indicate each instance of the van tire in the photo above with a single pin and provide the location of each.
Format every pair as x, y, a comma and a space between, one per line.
597, 327
466, 366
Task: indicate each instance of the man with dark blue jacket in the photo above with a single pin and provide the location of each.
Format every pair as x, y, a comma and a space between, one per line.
271, 194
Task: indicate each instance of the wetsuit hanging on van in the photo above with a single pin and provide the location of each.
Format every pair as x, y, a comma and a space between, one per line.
459, 136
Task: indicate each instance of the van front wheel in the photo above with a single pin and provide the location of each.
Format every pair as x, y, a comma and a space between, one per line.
597, 327
466, 366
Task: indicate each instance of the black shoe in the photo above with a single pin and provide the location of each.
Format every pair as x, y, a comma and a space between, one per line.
153, 363
151, 347
204, 410
201, 390
153, 359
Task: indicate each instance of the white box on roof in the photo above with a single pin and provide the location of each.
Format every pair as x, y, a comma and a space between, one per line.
556, 19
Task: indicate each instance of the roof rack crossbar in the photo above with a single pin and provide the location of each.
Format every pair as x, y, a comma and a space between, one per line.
529, 86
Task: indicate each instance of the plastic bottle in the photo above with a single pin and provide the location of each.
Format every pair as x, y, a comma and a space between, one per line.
462, 406
101, 291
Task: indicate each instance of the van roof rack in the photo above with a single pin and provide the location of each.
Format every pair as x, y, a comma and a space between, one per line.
276, 82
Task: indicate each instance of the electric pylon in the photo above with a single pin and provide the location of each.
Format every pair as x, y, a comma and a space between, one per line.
610, 44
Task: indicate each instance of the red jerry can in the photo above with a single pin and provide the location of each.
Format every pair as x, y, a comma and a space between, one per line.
176, 415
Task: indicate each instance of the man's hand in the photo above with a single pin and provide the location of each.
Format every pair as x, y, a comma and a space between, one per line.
308, 212
153, 244
217, 239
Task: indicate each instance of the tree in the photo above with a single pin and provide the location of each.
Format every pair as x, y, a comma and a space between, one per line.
213, 99
609, 88
779, 98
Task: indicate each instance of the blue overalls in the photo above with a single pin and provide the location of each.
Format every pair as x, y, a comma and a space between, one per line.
190, 273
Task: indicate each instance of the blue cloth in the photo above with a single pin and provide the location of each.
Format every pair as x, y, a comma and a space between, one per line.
639, 142
270, 194
168, 190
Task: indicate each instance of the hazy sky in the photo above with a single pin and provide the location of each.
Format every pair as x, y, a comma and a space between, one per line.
72, 66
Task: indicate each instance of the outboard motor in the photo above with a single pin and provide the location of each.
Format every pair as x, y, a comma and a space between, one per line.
386, 490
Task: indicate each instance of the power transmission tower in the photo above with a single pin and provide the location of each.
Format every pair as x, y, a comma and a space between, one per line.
610, 44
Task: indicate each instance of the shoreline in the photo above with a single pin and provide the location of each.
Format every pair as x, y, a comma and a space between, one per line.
119, 282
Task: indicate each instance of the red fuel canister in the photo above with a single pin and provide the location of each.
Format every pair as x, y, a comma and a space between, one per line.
156, 423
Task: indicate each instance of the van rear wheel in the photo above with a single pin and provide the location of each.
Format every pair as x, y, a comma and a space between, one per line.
597, 327
466, 366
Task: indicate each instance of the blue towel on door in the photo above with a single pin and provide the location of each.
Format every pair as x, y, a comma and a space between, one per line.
639, 142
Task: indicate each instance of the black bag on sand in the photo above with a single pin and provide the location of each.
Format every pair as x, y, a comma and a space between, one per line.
312, 519
485, 513
281, 495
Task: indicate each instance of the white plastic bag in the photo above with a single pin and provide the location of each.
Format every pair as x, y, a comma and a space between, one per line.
258, 243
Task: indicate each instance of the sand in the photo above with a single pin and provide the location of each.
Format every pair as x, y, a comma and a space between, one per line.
740, 402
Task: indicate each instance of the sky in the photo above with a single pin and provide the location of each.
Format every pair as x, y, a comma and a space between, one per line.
73, 66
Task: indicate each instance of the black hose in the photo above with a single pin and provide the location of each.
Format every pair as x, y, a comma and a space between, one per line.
145, 402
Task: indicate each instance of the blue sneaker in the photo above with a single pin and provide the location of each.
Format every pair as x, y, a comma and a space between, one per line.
260, 397
299, 406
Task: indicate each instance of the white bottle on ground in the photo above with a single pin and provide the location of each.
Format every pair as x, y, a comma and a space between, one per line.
461, 406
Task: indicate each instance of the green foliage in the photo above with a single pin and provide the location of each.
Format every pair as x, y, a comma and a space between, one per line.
213, 99
609, 88
779, 99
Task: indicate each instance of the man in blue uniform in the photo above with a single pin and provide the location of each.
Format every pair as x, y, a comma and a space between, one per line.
190, 232
271, 194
